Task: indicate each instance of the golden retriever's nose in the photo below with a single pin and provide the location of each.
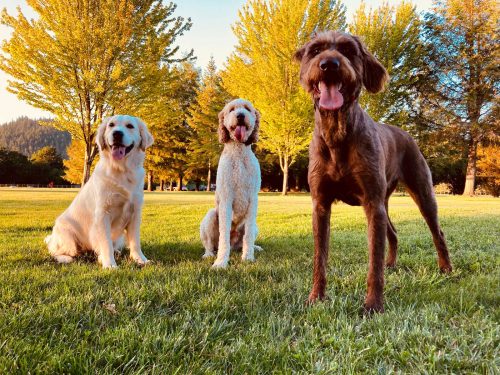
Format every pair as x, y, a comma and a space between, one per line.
240, 116
331, 64
117, 136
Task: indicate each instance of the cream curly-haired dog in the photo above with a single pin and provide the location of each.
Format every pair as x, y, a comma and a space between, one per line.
109, 205
232, 223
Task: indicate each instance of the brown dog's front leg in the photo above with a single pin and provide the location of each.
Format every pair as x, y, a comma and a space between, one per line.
321, 233
377, 227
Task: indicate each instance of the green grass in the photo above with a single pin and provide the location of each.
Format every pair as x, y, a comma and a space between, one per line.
179, 316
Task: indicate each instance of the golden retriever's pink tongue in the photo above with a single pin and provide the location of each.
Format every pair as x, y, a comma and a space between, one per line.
330, 98
118, 152
240, 132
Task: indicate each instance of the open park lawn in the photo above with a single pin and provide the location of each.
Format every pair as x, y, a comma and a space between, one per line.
178, 316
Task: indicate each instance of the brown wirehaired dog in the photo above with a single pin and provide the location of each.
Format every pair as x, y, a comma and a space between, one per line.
356, 160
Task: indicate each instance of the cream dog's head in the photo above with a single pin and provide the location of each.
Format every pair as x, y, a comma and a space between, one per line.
120, 135
239, 121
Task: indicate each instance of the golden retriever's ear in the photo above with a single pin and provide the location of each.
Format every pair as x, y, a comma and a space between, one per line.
374, 74
299, 54
101, 130
146, 137
254, 137
223, 132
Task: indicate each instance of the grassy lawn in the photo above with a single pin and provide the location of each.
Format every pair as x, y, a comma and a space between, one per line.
179, 316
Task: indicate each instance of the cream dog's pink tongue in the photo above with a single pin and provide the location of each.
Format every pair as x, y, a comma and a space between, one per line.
118, 152
240, 132
330, 98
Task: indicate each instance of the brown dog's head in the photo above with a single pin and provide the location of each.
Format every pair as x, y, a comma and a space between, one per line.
239, 121
334, 66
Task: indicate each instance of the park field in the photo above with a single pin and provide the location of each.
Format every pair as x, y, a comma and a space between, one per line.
177, 316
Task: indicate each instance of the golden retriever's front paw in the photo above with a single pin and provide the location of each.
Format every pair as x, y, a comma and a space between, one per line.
248, 258
257, 248
109, 266
208, 254
220, 264
141, 261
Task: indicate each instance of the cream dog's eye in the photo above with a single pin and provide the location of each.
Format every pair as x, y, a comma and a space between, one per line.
247, 108
111, 124
231, 110
130, 126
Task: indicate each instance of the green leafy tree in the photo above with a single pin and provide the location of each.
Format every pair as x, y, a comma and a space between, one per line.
203, 119
262, 69
392, 34
15, 168
462, 75
48, 166
81, 60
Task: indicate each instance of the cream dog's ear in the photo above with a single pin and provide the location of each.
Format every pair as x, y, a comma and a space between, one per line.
254, 137
223, 133
146, 137
101, 130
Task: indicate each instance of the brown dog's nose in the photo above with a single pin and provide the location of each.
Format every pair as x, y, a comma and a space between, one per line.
331, 64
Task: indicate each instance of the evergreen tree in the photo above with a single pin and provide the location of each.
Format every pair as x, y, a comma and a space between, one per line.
262, 69
81, 60
203, 119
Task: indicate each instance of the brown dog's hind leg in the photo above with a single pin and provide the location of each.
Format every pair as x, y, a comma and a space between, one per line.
393, 241
418, 181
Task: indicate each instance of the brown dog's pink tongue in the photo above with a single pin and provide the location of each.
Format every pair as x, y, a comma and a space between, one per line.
240, 132
330, 98
118, 152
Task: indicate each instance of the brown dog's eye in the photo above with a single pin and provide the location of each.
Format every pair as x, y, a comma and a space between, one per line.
315, 51
130, 126
111, 124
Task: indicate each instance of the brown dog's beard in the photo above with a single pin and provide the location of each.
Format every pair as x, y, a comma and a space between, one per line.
333, 126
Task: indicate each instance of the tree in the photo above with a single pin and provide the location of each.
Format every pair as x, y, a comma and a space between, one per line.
82, 60
73, 165
203, 119
15, 168
169, 155
488, 164
462, 38
392, 34
262, 69
48, 166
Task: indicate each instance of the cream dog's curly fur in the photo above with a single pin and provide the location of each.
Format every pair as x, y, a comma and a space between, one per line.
110, 203
232, 223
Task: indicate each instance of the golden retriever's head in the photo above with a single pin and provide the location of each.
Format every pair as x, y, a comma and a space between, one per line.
121, 134
239, 122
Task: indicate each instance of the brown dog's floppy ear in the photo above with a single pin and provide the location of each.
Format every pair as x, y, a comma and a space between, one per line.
374, 74
254, 137
101, 130
299, 54
146, 137
223, 132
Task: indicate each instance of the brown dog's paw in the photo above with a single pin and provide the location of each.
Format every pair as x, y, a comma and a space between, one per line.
315, 297
390, 264
447, 268
372, 307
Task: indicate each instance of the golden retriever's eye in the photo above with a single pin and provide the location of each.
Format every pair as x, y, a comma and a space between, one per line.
247, 108
130, 126
231, 110
111, 124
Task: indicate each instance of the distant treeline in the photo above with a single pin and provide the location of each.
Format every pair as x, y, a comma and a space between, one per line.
27, 136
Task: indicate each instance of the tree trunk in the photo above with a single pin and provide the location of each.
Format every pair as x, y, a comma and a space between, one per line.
162, 184
285, 178
197, 185
179, 183
150, 180
470, 176
90, 153
171, 186
209, 177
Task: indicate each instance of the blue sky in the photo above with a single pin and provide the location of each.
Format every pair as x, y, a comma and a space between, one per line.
211, 35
